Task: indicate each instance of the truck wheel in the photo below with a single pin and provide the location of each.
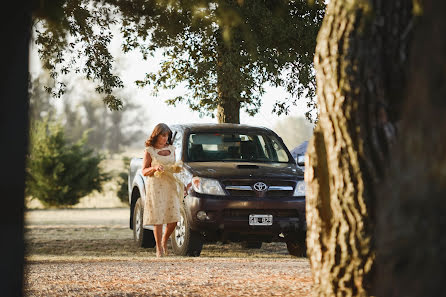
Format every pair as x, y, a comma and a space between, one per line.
251, 244
143, 237
297, 248
186, 242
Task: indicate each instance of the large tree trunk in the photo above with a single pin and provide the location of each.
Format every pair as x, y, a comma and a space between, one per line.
411, 227
16, 23
228, 106
228, 81
360, 66
228, 111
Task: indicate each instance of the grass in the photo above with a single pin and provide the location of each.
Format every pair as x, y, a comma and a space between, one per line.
115, 242
103, 234
80, 234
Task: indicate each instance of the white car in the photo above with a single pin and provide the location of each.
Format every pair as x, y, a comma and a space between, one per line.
298, 154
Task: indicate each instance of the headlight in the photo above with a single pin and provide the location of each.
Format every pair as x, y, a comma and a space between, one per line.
300, 188
207, 186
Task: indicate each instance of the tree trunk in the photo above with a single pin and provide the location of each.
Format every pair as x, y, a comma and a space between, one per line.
411, 246
360, 66
228, 111
16, 24
228, 81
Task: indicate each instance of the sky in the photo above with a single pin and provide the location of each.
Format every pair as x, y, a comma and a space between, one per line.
131, 67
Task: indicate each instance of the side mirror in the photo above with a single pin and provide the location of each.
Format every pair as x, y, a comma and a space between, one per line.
301, 160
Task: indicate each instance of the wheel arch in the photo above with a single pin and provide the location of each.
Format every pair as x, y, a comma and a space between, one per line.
138, 191
134, 197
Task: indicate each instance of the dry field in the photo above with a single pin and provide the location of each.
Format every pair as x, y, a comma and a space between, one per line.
89, 252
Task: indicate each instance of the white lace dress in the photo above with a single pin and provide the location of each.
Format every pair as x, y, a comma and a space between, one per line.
162, 195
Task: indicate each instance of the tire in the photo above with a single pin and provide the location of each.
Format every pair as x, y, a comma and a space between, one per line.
186, 242
252, 244
297, 248
142, 237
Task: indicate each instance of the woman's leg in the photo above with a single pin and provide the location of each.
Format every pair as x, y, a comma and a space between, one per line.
169, 230
158, 233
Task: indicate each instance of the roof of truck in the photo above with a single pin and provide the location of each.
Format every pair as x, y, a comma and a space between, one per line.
214, 127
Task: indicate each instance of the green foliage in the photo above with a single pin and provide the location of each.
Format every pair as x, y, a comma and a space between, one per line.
59, 174
222, 50
227, 50
123, 183
69, 31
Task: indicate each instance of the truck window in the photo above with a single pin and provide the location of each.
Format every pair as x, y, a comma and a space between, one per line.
227, 146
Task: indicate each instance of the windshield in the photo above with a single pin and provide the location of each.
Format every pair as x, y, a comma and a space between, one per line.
204, 147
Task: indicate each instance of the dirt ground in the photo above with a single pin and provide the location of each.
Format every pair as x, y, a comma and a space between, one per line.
90, 252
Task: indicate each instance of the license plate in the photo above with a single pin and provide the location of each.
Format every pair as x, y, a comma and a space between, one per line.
260, 220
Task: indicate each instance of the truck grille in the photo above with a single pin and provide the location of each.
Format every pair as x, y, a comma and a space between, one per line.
277, 213
245, 188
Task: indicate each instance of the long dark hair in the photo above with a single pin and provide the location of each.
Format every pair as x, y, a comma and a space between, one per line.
159, 129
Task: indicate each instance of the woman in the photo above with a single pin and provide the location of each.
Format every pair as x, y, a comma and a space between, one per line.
162, 201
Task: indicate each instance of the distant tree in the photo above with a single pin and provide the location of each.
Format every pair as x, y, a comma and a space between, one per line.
116, 137
40, 105
123, 183
109, 130
95, 121
74, 122
83, 111
59, 174
293, 130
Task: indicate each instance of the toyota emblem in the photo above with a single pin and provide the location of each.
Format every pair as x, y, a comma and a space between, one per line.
260, 187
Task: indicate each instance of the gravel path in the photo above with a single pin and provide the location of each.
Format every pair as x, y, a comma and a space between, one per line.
91, 253
170, 277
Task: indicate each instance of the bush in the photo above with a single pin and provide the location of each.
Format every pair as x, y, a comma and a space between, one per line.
123, 184
58, 173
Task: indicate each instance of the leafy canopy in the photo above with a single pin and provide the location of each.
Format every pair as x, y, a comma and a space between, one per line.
74, 36
228, 49
219, 49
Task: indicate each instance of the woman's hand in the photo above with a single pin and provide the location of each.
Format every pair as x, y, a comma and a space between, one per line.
159, 168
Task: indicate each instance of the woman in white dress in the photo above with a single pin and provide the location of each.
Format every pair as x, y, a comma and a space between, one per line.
162, 193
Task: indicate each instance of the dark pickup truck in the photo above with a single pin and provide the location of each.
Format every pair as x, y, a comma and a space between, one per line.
241, 184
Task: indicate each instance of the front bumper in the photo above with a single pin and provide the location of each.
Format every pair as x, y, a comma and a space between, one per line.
230, 215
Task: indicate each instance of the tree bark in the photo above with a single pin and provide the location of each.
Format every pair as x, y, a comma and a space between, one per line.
360, 64
228, 111
411, 214
228, 81
16, 24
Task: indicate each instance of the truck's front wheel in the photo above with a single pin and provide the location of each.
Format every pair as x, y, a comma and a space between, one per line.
252, 244
186, 242
296, 245
142, 237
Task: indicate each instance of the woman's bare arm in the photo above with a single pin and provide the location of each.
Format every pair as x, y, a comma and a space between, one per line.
147, 169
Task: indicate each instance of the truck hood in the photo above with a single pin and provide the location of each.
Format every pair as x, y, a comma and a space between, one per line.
223, 170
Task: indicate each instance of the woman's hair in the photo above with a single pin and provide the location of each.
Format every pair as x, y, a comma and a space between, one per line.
159, 129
